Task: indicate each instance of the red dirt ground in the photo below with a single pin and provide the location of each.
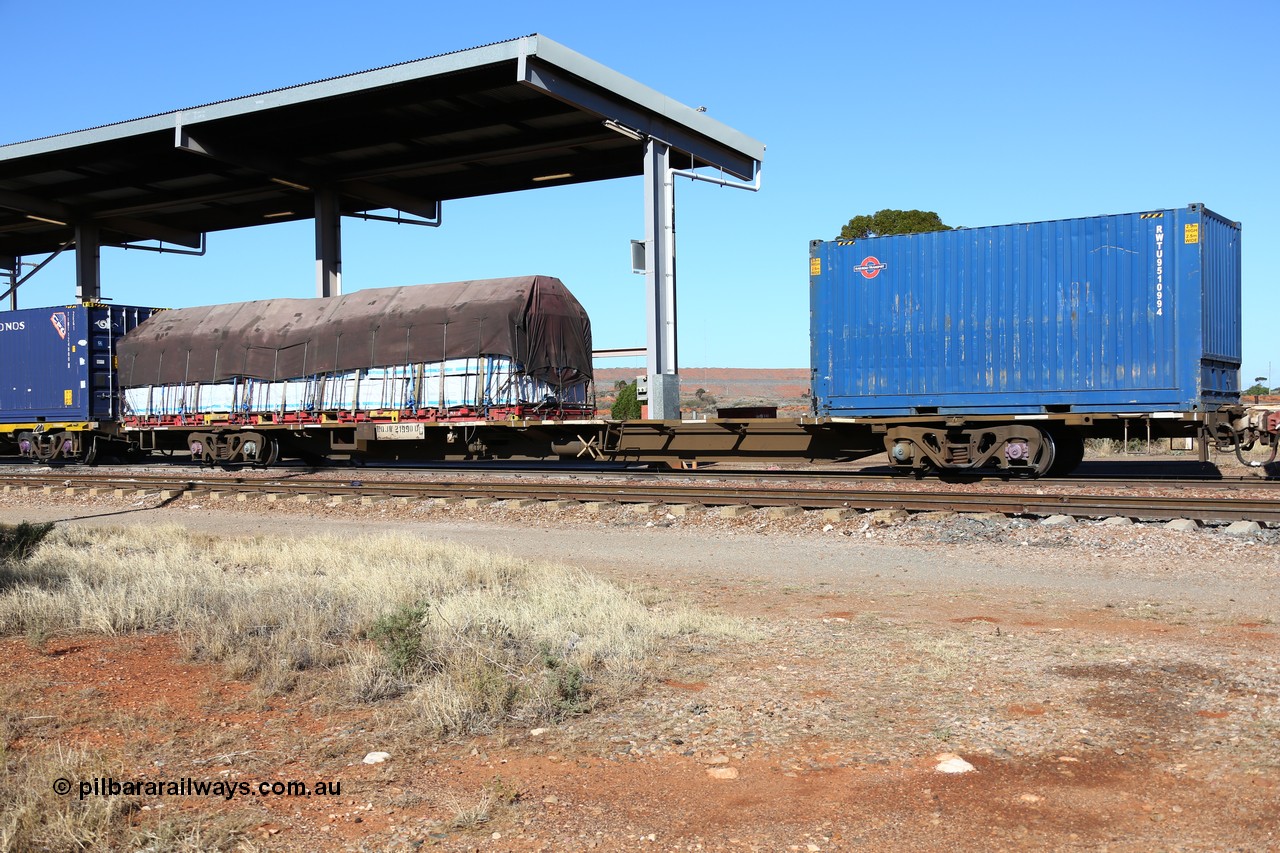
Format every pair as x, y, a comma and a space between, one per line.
136, 699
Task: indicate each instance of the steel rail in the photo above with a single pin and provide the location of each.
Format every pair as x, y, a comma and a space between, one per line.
980, 478
1213, 509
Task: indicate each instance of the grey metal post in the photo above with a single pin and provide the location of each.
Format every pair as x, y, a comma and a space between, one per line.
660, 280
11, 266
328, 243
88, 263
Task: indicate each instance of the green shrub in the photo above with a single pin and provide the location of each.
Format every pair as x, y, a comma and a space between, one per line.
627, 405
18, 543
567, 682
398, 635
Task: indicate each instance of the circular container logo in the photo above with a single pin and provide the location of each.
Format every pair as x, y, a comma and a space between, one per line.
870, 266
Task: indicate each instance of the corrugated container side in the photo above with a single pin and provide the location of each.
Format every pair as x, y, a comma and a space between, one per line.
1223, 328
58, 364
1092, 315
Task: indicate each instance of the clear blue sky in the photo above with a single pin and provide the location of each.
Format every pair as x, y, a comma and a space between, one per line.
985, 112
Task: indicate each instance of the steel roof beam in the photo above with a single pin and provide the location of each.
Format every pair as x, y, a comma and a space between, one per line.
591, 86
31, 206
305, 180
470, 154
422, 127
55, 213
709, 152
89, 180
139, 228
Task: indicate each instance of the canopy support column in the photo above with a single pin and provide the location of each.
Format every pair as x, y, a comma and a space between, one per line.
11, 266
660, 280
328, 243
88, 263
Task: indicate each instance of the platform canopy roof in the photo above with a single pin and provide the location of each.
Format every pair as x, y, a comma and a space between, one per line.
513, 115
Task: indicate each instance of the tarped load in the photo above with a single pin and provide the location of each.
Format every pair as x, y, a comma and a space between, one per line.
533, 320
475, 384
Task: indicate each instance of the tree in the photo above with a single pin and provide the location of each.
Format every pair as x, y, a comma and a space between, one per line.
1257, 390
882, 223
627, 406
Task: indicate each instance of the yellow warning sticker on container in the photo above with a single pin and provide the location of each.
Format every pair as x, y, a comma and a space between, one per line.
66, 397
1191, 232
815, 266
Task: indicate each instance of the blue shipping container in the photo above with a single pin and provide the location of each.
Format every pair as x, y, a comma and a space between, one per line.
1136, 312
57, 365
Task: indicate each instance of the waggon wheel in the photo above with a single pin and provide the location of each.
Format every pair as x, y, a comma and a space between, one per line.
1043, 461
268, 454
1068, 451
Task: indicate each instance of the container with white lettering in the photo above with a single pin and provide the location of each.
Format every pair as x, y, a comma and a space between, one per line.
1134, 312
57, 365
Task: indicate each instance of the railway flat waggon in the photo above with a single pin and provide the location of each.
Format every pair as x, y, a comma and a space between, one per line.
1008, 345
401, 370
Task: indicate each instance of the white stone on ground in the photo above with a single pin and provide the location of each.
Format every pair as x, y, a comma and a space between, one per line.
949, 762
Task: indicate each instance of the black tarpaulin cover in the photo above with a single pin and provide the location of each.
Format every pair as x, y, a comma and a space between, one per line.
534, 320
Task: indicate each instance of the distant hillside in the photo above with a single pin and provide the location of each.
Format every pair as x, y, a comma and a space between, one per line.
787, 388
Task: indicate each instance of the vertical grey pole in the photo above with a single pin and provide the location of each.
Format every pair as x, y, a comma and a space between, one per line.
88, 263
12, 266
660, 281
328, 243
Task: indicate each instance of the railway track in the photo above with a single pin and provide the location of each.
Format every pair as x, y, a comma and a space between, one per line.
1110, 474
918, 497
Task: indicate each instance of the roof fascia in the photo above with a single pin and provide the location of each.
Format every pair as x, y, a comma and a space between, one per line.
166, 122
668, 112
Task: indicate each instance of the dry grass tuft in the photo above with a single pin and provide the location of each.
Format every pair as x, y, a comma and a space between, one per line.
34, 817
493, 799
473, 639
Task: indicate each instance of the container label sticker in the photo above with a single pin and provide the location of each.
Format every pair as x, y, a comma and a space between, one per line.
870, 266
815, 266
1159, 270
66, 397
1191, 232
59, 321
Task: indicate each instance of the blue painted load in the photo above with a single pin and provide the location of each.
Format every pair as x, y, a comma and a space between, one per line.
57, 365
1136, 312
